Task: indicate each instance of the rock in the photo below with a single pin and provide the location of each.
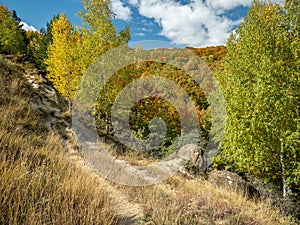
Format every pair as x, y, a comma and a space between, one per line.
195, 155
226, 179
196, 161
232, 181
11, 57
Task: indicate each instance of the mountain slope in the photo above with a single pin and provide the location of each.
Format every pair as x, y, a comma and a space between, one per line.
44, 179
41, 180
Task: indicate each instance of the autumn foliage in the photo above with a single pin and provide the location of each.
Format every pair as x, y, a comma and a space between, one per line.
258, 71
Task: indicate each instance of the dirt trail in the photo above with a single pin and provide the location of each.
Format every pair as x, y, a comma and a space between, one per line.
49, 105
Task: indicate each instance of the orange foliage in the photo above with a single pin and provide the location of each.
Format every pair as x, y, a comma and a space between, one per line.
213, 55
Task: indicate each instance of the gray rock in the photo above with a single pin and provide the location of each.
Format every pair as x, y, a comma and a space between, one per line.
195, 155
232, 181
226, 179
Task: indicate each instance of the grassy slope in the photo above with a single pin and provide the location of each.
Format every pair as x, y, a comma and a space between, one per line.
181, 201
39, 185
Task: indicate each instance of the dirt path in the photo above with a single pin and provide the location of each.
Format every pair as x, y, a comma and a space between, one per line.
48, 103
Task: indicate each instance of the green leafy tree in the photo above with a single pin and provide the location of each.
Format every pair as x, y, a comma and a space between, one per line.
98, 31
12, 37
33, 46
261, 88
99, 36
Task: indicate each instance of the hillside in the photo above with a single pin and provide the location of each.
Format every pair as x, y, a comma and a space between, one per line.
44, 180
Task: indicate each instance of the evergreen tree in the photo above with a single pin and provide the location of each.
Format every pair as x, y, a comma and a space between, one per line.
43, 42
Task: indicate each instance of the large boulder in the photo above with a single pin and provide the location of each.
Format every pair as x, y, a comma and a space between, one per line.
196, 161
195, 155
232, 181
226, 179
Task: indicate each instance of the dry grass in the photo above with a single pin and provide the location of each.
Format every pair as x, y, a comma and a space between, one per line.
38, 185
181, 201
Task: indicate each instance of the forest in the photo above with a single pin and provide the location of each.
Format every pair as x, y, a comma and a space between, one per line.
258, 71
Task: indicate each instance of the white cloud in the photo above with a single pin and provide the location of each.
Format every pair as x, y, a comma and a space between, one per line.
122, 12
140, 34
231, 4
280, 2
228, 4
147, 29
194, 24
133, 2
27, 27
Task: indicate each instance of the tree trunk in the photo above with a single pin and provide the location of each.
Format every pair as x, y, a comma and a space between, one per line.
284, 187
69, 105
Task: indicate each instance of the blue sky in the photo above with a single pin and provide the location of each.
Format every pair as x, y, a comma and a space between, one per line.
195, 23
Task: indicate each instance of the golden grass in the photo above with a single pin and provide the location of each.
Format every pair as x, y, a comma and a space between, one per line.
38, 184
181, 201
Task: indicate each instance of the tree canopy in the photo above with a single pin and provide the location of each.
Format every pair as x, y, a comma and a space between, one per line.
98, 31
261, 87
62, 62
73, 51
12, 37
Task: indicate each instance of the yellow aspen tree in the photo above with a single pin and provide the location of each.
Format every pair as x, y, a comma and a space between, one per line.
62, 61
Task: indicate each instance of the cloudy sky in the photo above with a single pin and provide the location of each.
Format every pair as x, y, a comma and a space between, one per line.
196, 23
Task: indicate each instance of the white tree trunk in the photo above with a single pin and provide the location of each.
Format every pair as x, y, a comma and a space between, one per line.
69, 105
284, 187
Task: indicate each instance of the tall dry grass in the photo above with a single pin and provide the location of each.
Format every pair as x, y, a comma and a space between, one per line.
182, 201
38, 184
